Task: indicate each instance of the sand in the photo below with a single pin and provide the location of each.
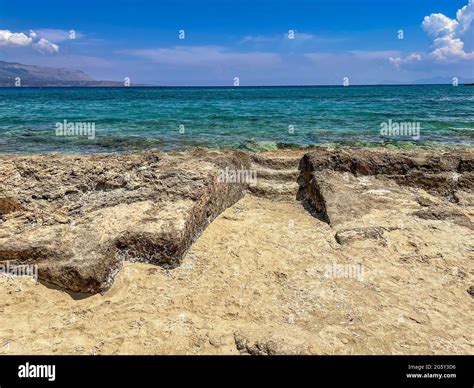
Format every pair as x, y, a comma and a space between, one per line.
256, 282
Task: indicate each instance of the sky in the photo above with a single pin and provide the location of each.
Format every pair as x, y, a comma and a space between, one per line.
260, 42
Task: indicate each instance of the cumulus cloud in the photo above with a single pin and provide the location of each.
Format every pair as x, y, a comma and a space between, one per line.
465, 15
46, 46
8, 38
448, 38
447, 34
32, 40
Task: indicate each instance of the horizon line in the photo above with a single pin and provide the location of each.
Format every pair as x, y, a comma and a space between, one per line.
221, 86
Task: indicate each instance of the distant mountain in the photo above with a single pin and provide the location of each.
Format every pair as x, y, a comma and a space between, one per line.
46, 76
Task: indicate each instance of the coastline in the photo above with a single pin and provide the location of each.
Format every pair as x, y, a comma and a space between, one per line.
321, 254
264, 147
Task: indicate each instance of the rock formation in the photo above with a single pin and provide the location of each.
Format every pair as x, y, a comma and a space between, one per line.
346, 184
78, 217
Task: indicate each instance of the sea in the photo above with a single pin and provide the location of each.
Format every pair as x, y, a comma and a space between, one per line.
68, 120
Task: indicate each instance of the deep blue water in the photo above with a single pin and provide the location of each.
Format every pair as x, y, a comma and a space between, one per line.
246, 118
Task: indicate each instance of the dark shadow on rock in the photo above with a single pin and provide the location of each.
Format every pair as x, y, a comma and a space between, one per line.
73, 295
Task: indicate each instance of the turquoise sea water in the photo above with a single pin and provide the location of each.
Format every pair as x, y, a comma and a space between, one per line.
246, 118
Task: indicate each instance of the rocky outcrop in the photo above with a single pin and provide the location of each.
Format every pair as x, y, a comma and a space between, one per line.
344, 184
79, 217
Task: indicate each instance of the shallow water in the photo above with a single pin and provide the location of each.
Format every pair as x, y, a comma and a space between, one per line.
245, 118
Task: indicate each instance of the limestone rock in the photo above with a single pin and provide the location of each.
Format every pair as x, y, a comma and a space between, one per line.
345, 184
87, 213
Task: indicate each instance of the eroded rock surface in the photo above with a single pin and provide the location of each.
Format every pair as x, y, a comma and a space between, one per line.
79, 217
391, 273
344, 184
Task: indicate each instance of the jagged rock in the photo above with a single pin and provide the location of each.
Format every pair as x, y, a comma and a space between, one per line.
79, 216
426, 202
344, 185
439, 174
339, 197
274, 189
279, 275
147, 206
415, 258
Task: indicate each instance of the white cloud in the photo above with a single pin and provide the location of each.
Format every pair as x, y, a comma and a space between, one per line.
437, 25
447, 34
448, 38
412, 58
361, 66
303, 36
465, 16
45, 46
20, 39
15, 39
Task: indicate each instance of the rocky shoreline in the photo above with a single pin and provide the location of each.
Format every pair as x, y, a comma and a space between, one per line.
324, 251
78, 217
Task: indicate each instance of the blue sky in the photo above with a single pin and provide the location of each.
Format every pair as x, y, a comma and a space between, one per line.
358, 39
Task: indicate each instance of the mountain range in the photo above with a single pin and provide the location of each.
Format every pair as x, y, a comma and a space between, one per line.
17, 74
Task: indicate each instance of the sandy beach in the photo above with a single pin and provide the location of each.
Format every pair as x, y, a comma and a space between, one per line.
327, 252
